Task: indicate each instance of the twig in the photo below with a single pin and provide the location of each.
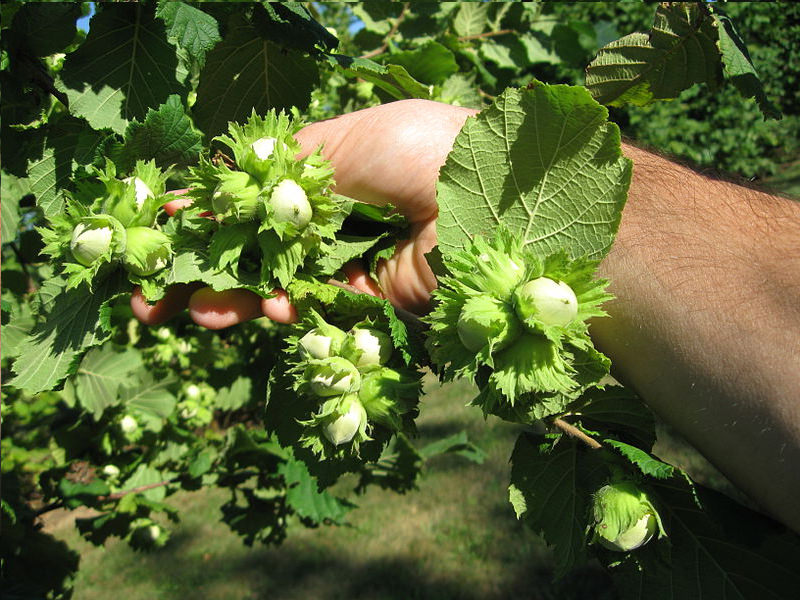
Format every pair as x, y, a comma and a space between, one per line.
141, 488
476, 36
385, 44
573, 431
115, 496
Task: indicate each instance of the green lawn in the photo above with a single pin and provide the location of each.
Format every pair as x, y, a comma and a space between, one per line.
456, 537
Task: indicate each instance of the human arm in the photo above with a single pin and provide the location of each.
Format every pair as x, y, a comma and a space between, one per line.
706, 321
706, 325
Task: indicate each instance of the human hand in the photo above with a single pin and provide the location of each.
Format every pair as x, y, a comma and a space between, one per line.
388, 154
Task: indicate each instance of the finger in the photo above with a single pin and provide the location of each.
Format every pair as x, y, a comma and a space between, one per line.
406, 278
389, 153
217, 310
174, 206
358, 277
173, 302
279, 308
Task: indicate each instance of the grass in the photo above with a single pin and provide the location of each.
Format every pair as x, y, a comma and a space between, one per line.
456, 537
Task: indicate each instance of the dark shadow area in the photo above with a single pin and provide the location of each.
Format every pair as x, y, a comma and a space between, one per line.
314, 572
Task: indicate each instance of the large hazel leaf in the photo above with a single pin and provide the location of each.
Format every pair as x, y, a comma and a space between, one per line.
101, 373
546, 163
618, 410
679, 51
246, 72
125, 66
54, 158
715, 548
76, 321
44, 28
551, 487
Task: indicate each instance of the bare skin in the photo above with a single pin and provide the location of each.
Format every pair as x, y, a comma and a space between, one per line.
706, 324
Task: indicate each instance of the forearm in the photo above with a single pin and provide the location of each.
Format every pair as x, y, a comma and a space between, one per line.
706, 324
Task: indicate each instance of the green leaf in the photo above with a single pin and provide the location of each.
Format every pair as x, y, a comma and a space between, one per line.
471, 18
460, 90
100, 375
618, 409
149, 397
192, 29
166, 135
125, 67
68, 144
147, 475
12, 190
641, 459
228, 243
715, 548
392, 79
306, 499
551, 487
201, 464
246, 72
458, 443
17, 330
291, 25
235, 396
429, 63
194, 265
679, 51
76, 493
738, 66
45, 28
344, 249
75, 322
545, 163
517, 52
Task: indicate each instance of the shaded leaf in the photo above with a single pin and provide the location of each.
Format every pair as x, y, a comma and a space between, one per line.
738, 66
551, 487
45, 28
679, 51
714, 548
76, 321
235, 396
12, 190
246, 72
429, 63
100, 375
150, 397
306, 499
125, 67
